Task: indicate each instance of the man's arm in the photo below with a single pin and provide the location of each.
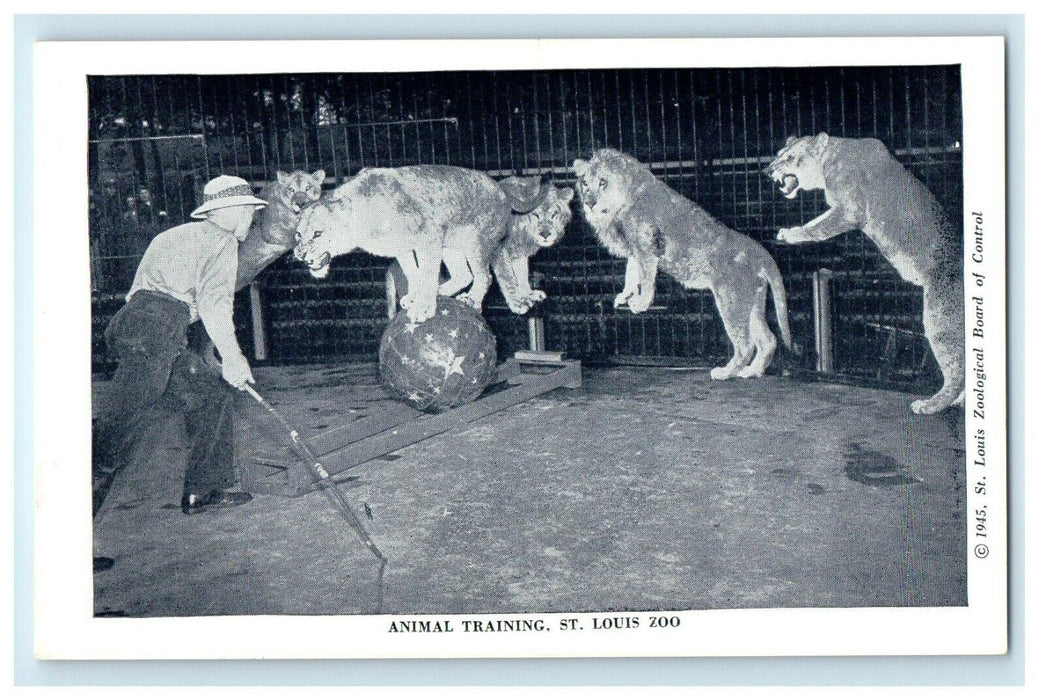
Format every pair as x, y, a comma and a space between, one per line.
215, 285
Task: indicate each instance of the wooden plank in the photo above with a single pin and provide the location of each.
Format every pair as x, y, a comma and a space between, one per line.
571, 375
415, 431
509, 371
539, 357
255, 478
283, 459
401, 425
337, 438
272, 487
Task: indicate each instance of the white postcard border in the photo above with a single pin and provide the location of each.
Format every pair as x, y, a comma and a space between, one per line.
65, 627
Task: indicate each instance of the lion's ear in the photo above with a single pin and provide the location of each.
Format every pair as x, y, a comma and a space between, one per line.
282, 177
579, 165
319, 176
822, 141
790, 140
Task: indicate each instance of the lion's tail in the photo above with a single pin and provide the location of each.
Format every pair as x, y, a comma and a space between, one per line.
772, 275
395, 288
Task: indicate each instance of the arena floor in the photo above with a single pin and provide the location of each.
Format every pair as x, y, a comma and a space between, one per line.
646, 489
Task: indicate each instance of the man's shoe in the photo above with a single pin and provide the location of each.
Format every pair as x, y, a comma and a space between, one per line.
103, 564
197, 503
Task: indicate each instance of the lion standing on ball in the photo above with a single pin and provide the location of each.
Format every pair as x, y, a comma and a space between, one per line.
411, 213
637, 217
867, 189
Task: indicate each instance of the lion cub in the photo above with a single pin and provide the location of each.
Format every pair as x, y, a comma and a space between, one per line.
637, 217
867, 189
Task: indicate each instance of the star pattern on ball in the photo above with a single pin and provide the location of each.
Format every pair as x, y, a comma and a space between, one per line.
446, 364
454, 366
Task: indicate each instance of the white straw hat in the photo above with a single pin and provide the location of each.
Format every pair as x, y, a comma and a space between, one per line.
226, 191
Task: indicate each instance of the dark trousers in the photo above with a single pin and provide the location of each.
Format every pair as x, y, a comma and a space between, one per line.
158, 370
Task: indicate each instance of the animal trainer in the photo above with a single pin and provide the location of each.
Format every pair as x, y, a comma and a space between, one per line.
188, 273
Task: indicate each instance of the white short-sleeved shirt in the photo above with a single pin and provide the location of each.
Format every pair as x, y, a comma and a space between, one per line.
196, 263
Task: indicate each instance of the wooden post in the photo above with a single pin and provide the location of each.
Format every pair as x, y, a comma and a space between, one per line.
536, 332
823, 321
536, 318
261, 343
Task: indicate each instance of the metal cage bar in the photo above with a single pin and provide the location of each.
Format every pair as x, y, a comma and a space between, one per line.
705, 132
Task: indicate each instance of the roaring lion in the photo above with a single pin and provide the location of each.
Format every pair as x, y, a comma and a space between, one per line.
867, 189
274, 228
637, 217
528, 233
413, 214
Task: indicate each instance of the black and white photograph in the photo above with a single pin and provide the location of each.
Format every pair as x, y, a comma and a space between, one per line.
569, 348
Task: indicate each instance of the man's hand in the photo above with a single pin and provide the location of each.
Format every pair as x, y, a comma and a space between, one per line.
236, 371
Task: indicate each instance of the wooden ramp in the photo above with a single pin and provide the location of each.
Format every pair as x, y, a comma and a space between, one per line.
340, 449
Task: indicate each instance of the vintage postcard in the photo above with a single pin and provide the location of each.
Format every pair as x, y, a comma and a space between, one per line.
438, 349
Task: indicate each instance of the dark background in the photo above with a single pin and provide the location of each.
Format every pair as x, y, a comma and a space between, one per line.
155, 140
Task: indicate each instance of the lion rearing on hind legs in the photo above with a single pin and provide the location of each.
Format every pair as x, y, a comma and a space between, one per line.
639, 218
866, 188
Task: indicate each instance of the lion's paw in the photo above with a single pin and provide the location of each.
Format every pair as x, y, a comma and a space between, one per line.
921, 407
926, 407
536, 296
518, 307
418, 316
518, 304
418, 309
721, 373
749, 372
639, 304
793, 234
622, 298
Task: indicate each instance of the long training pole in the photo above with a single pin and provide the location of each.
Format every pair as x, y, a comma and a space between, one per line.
322, 478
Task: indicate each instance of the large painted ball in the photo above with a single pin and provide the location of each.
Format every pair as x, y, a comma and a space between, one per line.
443, 362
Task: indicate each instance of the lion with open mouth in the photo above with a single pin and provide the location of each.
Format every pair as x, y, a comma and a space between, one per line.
421, 215
867, 189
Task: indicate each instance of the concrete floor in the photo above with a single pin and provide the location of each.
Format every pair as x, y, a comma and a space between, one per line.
645, 489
